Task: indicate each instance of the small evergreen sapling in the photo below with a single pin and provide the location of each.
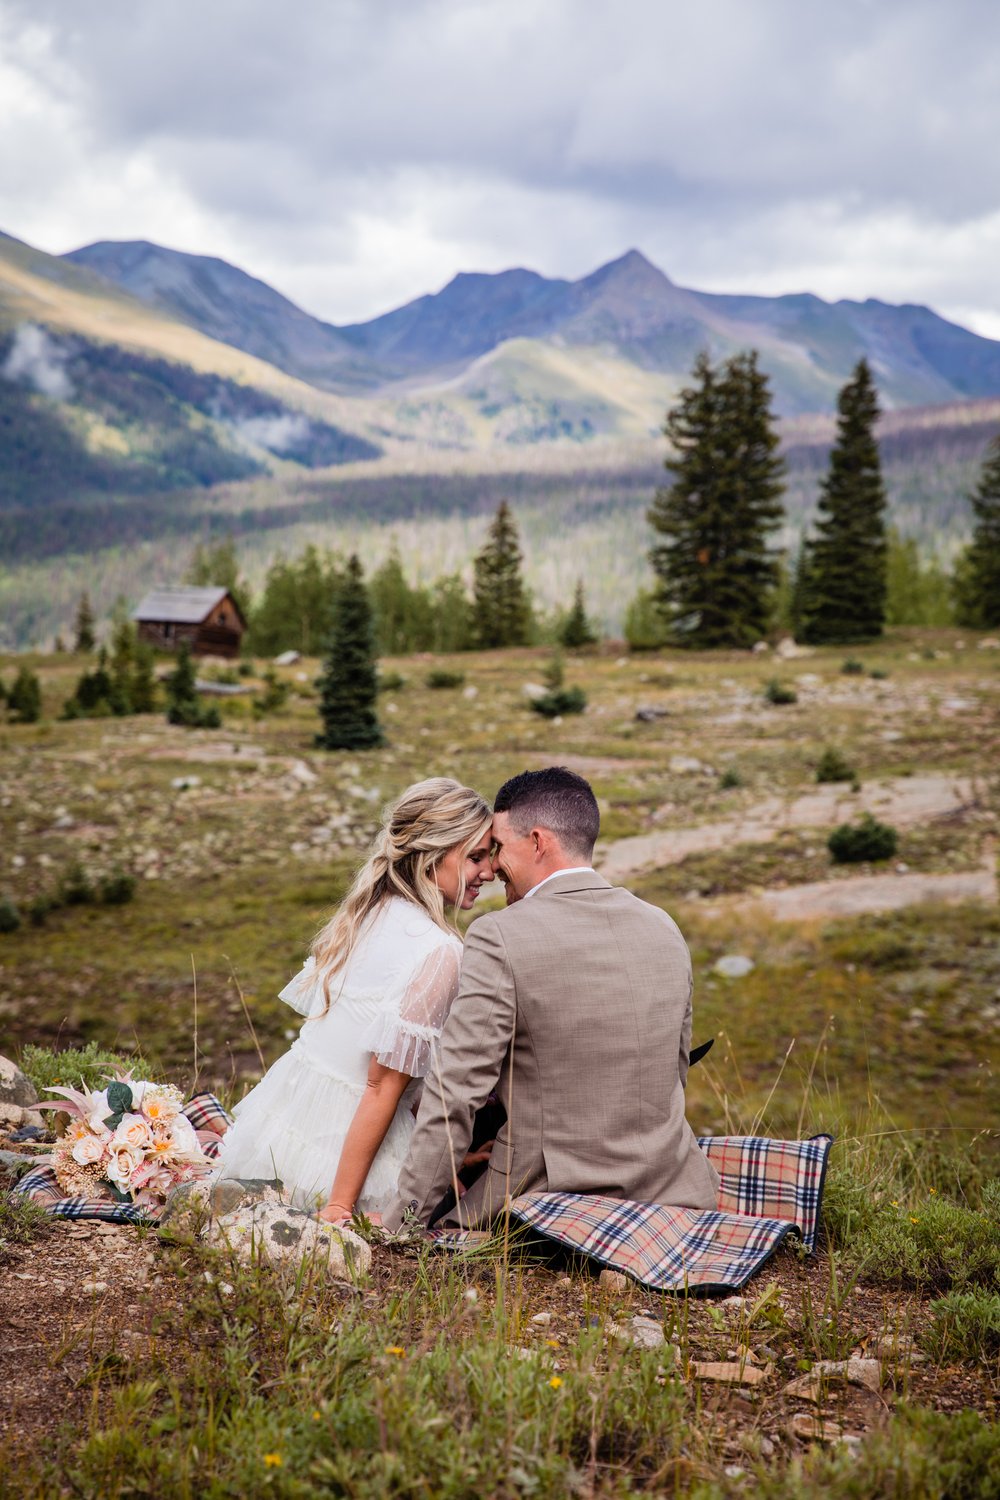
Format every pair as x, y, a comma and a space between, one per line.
866, 840
86, 639
24, 698
577, 630
183, 703
502, 610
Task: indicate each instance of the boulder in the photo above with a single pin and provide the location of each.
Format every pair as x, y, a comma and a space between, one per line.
733, 966
15, 1087
289, 1237
14, 1117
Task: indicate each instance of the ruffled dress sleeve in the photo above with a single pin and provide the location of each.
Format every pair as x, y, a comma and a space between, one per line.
300, 992
403, 1034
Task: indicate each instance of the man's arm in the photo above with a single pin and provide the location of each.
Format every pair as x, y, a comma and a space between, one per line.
684, 1057
471, 1052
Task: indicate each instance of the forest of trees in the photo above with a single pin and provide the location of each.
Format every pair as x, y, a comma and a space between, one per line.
718, 579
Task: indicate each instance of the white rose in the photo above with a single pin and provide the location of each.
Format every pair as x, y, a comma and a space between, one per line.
183, 1138
88, 1150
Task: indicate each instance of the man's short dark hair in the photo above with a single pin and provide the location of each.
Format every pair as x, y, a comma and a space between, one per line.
556, 799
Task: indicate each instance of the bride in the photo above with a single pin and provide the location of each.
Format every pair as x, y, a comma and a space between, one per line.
332, 1118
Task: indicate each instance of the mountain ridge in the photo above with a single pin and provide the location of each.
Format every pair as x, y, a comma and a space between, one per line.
628, 307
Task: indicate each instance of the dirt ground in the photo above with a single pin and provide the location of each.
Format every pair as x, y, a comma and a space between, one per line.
90, 1297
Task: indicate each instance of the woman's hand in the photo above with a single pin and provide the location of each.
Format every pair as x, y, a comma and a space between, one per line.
336, 1213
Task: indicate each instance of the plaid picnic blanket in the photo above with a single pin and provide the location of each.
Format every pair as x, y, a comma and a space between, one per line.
768, 1190
40, 1184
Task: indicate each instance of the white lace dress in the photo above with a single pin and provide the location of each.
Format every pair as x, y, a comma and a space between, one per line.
389, 1002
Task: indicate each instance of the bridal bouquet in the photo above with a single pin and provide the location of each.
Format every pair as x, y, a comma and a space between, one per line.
129, 1140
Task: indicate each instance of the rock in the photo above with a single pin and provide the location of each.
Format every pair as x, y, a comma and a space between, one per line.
16, 1087
649, 713
542, 1319
646, 1333
94, 1286
287, 659
989, 643
14, 1118
809, 1387
29, 1133
534, 690
287, 1238
470, 692
761, 648
788, 650
730, 1374
613, 1281
684, 765
733, 966
810, 1429
185, 783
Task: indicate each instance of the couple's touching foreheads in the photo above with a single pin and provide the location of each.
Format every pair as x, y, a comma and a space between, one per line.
564, 1020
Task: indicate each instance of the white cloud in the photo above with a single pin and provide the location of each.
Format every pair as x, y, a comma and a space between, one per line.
359, 152
35, 359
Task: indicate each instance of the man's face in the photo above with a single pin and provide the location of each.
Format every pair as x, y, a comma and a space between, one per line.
514, 858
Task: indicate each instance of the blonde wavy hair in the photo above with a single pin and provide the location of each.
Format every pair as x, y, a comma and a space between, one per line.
418, 830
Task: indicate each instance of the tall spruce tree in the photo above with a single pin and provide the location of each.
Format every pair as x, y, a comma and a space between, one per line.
978, 571
715, 576
502, 610
846, 560
348, 685
86, 639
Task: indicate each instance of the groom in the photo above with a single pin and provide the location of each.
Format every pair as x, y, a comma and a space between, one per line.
575, 1009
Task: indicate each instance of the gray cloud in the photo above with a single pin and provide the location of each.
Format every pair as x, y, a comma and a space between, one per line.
342, 148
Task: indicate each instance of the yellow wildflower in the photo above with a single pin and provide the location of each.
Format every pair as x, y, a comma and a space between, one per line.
273, 1460
552, 1343
913, 1220
317, 1416
555, 1382
395, 1349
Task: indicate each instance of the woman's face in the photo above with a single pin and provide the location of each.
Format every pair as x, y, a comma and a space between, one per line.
477, 868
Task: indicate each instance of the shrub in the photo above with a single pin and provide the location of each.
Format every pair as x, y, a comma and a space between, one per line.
852, 843
730, 778
965, 1326
931, 1244
21, 1221
833, 766
89, 1066
879, 674
565, 701
245, 669
118, 888
852, 667
24, 698
776, 692
390, 682
440, 678
75, 888
274, 696
10, 917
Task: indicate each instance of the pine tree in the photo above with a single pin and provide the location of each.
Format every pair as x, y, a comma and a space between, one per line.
501, 608
183, 704
453, 623
348, 684
86, 639
846, 560
403, 615
143, 686
576, 629
24, 697
715, 575
978, 572
123, 649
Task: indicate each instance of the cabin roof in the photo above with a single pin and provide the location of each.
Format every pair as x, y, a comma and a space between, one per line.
181, 605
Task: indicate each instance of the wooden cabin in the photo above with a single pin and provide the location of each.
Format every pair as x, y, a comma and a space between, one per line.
209, 619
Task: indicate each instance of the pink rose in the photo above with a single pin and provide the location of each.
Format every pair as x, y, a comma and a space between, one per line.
132, 1132
122, 1165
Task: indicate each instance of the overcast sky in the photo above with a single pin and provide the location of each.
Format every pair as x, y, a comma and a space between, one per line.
357, 153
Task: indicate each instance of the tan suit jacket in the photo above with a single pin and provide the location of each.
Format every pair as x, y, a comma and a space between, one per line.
575, 1006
